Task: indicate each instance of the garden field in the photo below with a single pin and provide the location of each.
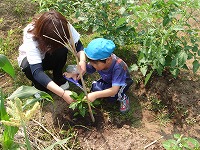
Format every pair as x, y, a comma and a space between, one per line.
163, 54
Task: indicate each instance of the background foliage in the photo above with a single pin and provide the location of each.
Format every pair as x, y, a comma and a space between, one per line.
157, 32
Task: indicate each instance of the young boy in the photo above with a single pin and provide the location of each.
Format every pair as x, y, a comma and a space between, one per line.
115, 78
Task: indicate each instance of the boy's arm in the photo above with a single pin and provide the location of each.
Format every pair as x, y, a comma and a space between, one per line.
104, 93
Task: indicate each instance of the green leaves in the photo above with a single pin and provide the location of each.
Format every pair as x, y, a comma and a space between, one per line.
9, 131
6, 66
181, 143
81, 104
29, 95
27, 91
195, 65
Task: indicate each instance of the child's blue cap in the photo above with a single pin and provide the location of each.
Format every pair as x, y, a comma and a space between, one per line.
99, 49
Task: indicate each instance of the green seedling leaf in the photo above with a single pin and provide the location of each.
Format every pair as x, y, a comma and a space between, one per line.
166, 20
96, 102
174, 72
177, 136
82, 109
134, 67
6, 66
178, 28
148, 77
3, 113
182, 57
195, 66
120, 22
73, 105
29, 102
168, 144
74, 95
143, 69
194, 142
195, 48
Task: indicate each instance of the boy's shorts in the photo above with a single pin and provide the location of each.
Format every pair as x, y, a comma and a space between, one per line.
100, 85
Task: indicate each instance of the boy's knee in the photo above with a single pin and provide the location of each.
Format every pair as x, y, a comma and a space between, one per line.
95, 87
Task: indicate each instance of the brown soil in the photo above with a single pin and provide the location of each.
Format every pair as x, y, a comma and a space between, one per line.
113, 131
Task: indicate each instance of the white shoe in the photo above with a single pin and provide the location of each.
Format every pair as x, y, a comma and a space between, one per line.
65, 86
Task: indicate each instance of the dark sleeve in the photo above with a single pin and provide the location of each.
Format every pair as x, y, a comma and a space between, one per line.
39, 75
79, 46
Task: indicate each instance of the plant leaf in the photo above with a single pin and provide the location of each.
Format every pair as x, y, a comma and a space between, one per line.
148, 77
134, 67
73, 105
182, 57
195, 66
177, 136
120, 22
143, 69
194, 142
6, 66
29, 91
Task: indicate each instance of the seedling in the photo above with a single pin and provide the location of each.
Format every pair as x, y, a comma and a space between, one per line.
81, 104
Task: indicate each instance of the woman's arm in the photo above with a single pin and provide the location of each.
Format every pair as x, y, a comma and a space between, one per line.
46, 81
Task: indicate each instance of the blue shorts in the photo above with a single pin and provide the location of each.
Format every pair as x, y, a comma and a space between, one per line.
100, 85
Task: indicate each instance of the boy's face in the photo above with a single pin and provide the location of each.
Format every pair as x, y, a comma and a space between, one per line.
98, 65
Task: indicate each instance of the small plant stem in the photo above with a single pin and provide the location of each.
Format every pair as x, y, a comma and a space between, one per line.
28, 145
153, 142
22, 122
81, 76
55, 138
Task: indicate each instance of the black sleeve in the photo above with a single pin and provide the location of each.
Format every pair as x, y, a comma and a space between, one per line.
79, 46
39, 75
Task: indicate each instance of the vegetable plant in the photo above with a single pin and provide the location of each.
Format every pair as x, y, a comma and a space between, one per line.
18, 110
166, 38
181, 143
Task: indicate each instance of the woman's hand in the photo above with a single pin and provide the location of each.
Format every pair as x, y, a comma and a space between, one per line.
66, 96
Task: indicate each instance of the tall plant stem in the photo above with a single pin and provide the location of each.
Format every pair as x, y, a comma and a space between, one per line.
70, 45
81, 75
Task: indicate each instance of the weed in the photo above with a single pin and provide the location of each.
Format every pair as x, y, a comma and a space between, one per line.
163, 118
156, 104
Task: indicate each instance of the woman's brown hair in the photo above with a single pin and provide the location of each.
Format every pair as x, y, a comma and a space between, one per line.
45, 25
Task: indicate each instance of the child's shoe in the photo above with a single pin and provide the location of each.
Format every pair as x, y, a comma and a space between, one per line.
124, 104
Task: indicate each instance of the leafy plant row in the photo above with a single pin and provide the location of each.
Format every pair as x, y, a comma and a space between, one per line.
159, 31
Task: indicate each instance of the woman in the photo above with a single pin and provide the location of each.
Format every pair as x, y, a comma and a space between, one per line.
39, 53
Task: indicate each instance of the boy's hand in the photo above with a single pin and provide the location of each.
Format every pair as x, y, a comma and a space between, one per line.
82, 65
91, 97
